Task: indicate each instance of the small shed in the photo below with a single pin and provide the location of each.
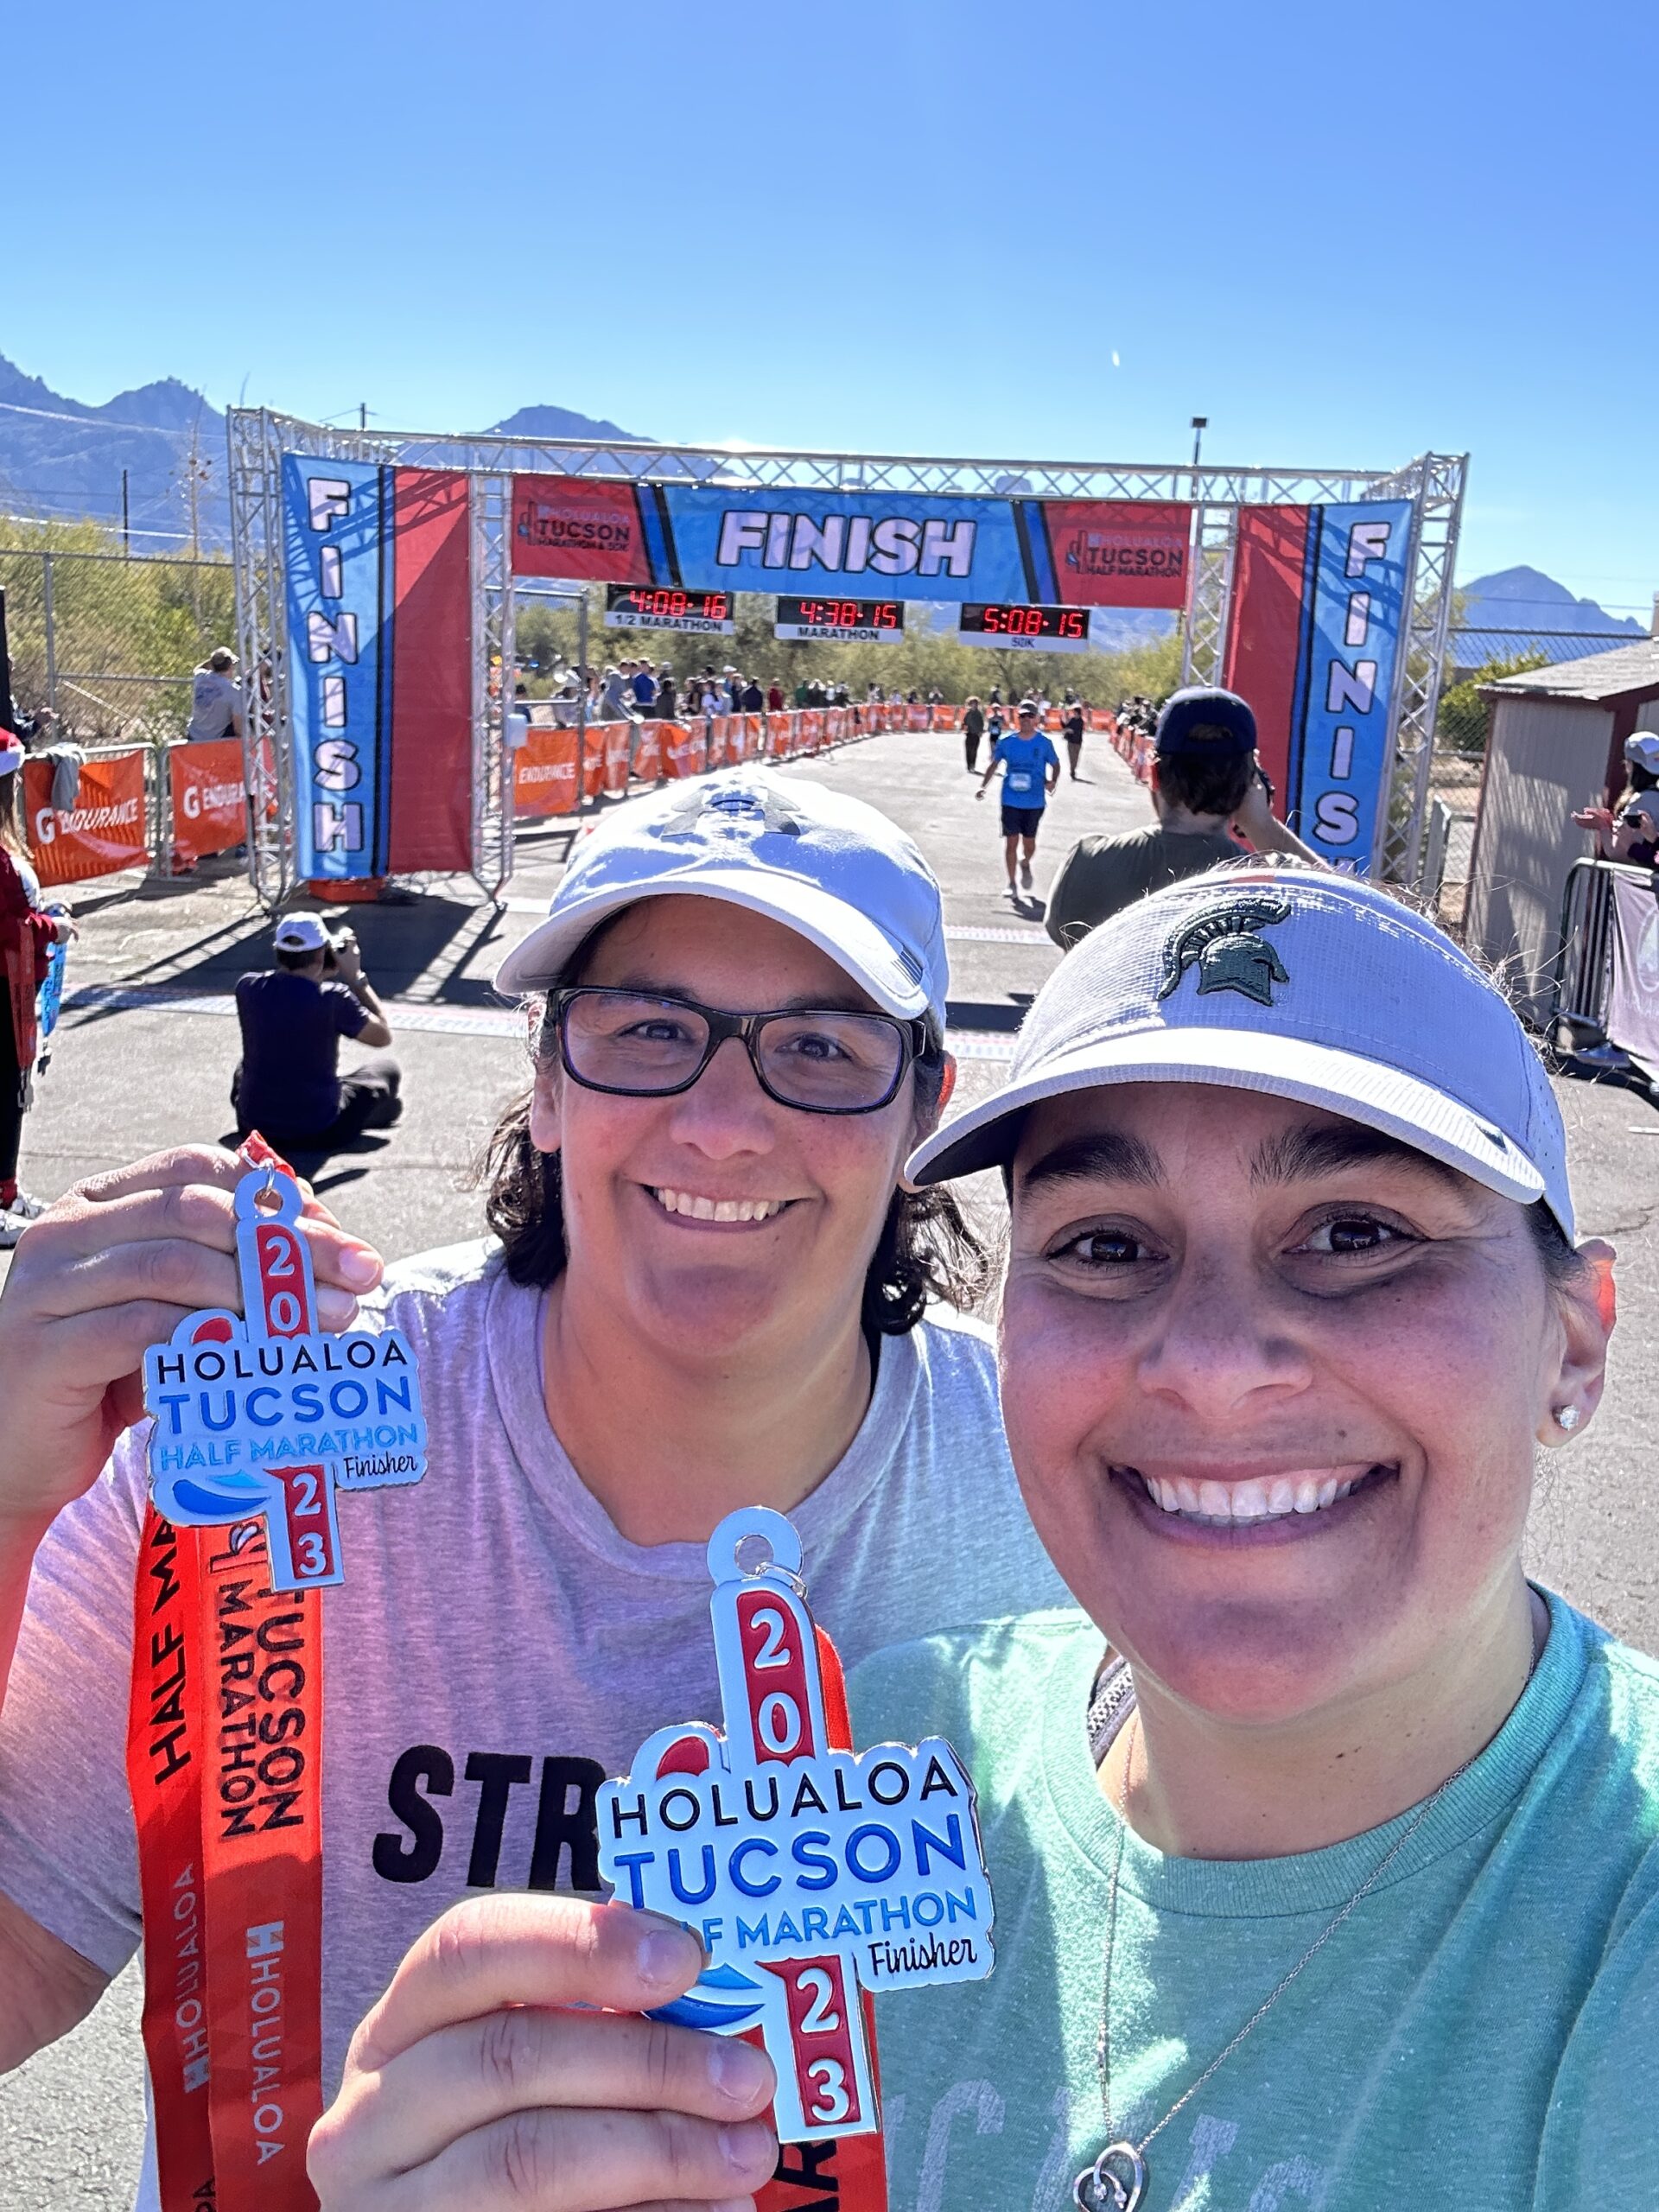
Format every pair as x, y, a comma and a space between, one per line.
1556, 744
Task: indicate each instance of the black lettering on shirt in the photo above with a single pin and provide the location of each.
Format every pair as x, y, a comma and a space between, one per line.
422, 1765
498, 1771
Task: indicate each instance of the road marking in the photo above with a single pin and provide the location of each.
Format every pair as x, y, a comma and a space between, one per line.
413, 1016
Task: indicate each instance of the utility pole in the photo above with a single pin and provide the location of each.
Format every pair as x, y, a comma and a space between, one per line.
362, 414
126, 519
1200, 424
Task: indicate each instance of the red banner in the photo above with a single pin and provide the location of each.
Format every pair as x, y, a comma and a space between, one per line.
429, 823
1118, 552
209, 797
1264, 626
106, 829
568, 526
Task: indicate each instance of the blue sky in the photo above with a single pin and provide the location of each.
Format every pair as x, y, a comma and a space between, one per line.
1345, 233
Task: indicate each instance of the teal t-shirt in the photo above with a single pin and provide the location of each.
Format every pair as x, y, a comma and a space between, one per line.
1481, 2036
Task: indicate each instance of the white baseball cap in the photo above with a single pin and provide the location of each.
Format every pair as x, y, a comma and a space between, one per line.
1307, 986
300, 933
1642, 751
11, 754
831, 869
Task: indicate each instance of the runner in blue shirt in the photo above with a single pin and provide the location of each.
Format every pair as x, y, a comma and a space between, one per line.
1031, 768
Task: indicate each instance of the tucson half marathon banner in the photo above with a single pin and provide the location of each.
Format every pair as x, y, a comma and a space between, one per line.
1056, 552
380, 666
1312, 643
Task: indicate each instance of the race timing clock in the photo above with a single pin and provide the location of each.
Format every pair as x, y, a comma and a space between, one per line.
665, 606
862, 621
1027, 628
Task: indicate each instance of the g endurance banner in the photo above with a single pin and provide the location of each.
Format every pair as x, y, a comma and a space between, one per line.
897, 544
1313, 643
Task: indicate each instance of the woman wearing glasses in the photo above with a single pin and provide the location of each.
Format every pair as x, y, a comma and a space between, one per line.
708, 1292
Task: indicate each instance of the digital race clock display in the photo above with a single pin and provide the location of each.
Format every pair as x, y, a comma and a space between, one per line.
1035, 629
666, 607
866, 620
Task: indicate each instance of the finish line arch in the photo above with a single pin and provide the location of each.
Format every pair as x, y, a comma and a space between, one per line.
377, 574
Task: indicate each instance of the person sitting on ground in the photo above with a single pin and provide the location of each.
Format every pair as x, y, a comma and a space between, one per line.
1206, 779
1630, 831
287, 1083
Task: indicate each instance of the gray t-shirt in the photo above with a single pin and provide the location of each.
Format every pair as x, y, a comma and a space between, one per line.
215, 701
497, 1649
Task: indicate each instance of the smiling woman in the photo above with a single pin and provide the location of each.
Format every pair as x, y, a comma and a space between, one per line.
1333, 1876
710, 1293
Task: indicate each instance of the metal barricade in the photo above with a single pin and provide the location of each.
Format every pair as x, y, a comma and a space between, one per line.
1583, 961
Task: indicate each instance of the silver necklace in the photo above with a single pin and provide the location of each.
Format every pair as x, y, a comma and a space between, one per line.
1117, 2180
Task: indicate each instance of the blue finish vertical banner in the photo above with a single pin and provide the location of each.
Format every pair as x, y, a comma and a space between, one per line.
337, 559
1353, 611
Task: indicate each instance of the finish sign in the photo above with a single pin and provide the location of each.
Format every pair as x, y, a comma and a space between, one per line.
269, 1415
812, 1872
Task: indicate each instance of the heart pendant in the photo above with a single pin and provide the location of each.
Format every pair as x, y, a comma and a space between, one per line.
1115, 2183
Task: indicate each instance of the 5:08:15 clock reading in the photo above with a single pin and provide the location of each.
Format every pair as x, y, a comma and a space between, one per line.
1069, 623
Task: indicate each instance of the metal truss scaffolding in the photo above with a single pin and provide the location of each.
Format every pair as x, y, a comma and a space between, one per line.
258, 439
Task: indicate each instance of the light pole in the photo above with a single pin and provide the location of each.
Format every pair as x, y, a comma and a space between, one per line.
1200, 424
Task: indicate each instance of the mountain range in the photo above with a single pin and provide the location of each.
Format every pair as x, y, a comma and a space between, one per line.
61, 457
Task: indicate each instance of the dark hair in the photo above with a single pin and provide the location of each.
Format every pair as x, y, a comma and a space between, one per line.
11, 813
1560, 1258
1202, 785
926, 1249
288, 956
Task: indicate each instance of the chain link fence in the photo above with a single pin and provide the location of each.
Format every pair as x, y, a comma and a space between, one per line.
109, 644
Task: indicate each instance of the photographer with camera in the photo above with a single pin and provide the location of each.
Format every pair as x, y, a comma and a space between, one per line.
287, 1083
1208, 790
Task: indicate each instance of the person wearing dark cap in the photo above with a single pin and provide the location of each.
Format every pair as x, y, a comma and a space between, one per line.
1205, 782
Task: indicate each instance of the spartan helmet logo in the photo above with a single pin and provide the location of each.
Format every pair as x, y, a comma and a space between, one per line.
1223, 945
738, 811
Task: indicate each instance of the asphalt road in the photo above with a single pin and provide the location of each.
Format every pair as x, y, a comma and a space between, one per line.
146, 1062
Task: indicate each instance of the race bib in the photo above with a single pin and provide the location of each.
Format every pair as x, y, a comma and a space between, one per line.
1020, 780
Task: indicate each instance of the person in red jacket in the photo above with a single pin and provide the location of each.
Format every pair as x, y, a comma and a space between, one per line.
26, 934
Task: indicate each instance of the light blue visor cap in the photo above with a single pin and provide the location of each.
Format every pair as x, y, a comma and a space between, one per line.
1308, 985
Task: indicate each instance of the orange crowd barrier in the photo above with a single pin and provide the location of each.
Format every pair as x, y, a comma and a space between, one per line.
209, 797
545, 774
104, 830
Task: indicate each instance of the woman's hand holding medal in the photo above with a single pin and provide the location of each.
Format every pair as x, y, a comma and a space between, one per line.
113, 1267
475, 2085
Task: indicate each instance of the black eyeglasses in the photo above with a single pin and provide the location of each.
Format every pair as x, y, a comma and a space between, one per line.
818, 1060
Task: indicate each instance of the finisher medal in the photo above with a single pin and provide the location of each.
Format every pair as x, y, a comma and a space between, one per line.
811, 1872
267, 1416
